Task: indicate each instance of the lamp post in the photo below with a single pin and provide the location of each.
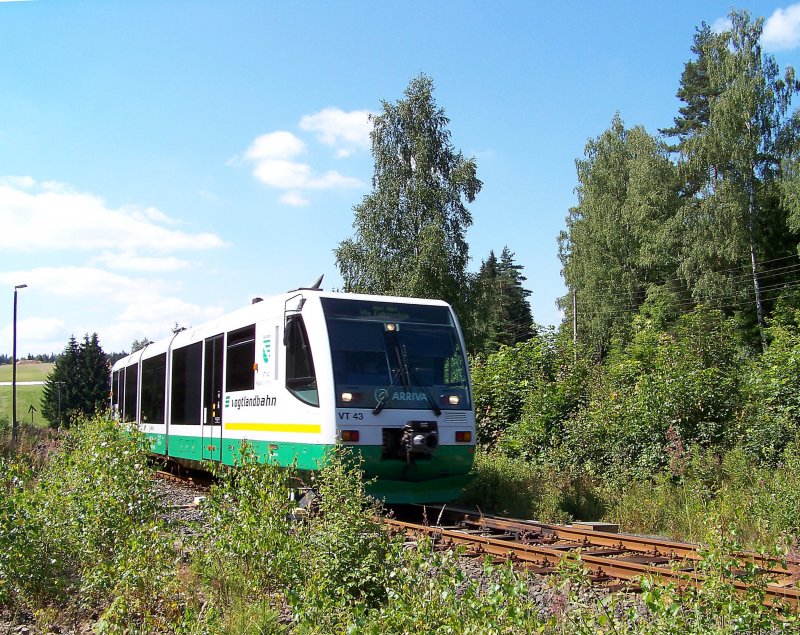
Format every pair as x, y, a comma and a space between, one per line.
14, 423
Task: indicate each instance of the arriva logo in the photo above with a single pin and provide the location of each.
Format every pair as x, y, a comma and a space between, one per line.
381, 394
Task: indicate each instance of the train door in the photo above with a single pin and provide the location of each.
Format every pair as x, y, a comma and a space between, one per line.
212, 399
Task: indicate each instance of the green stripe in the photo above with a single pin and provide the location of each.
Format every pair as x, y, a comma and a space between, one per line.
437, 480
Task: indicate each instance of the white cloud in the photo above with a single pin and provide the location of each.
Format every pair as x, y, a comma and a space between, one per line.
34, 329
87, 283
782, 29
56, 217
22, 182
333, 180
290, 175
275, 145
283, 174
275, 154
720, 25
131, 261
169, 310
295, 199
115, 267
88, 300
336, 127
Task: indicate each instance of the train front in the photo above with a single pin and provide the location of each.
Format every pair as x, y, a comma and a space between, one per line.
402, 395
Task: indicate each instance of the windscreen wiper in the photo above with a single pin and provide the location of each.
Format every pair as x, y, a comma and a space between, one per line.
410, 374
431, 402
385, 398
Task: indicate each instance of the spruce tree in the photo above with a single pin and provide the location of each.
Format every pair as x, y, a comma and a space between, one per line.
516, 319
61, 390
78, 384
94, 376
501, 313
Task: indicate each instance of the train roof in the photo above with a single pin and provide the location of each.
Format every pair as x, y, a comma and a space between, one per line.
259, 309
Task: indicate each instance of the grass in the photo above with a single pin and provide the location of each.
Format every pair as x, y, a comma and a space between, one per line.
27, 396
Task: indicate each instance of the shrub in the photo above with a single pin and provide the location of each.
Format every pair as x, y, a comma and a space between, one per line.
348, 557
83, 533
249, 548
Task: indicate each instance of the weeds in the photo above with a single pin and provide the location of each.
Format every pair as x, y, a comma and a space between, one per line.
82, 537
82, 534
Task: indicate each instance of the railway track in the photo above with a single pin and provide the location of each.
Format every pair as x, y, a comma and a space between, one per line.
609, 558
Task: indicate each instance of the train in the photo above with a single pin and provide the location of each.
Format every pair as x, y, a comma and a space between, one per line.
303, 372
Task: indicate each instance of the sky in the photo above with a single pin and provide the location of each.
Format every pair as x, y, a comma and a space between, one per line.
163, 162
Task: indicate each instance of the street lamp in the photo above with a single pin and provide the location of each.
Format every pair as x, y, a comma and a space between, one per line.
14, 423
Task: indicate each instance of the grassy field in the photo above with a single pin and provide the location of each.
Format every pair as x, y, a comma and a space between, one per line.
26, 395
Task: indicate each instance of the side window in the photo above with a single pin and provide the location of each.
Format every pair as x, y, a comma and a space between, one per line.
301, 380
241, 355
187, 373
131, 384
115, 392
154, 375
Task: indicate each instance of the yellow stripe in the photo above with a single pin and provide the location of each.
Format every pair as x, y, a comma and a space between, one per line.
301, 428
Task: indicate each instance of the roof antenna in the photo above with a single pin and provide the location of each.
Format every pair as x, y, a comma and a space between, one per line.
313, 287
317, 284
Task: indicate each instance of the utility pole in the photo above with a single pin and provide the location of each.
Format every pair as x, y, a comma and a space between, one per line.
14, 422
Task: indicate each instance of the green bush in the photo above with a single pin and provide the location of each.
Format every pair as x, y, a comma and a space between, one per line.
524, 393
430, 592
678, 389
83, 532
348, 555
770, 418
249, 548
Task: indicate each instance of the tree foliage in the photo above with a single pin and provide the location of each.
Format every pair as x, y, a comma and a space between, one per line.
410, 232
501, 311
78, 384
712, 228
731, 156
616, 245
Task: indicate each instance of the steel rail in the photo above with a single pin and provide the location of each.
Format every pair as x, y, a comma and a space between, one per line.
545, 558
584, 537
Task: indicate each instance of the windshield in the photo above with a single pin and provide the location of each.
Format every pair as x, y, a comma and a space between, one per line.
391, 355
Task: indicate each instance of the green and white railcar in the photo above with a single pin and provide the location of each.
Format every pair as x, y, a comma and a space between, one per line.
299, 373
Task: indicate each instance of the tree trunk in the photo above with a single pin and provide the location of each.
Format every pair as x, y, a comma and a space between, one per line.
754, 259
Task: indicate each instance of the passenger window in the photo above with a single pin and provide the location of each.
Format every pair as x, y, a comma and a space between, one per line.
187, 373
131, 387
154, 371
241, 355
301, 380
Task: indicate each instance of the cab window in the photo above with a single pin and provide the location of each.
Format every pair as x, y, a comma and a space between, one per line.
301, 380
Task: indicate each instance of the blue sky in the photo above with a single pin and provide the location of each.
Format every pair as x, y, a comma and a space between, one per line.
166, 161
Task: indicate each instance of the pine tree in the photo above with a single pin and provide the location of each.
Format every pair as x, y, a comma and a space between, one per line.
78, 384
60, 396
517, 322
501, 313
695, 92
94, 376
